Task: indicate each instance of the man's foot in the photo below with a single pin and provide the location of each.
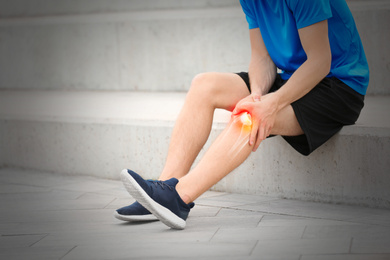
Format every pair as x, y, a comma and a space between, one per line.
134, 213
159, 197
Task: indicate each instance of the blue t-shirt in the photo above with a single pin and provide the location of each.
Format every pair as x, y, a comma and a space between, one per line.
279, 21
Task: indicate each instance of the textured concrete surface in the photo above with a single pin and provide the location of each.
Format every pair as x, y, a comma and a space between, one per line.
49, 216
99, 133
146, 45
142, 50
137, 108
19, 8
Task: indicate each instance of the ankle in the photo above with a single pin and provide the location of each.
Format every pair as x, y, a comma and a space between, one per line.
166, 176
183, 194
187, 199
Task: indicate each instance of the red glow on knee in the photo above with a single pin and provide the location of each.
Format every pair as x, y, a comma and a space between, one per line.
243, 121
246, 119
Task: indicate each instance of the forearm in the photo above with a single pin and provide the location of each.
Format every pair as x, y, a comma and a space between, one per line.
315, 42
305, 78
262, 72
264, 111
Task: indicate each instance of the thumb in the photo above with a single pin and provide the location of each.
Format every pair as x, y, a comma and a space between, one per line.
244, 107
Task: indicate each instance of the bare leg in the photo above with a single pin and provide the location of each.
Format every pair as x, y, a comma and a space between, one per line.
208, 91
220, 159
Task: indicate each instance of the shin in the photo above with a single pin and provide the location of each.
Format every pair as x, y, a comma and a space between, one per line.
228, 151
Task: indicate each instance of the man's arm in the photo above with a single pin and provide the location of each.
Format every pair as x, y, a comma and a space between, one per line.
315, 42
262, 70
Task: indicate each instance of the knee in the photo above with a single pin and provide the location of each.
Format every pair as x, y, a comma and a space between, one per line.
204, 85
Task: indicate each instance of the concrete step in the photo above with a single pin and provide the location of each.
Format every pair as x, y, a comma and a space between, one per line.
146, 45
99, 133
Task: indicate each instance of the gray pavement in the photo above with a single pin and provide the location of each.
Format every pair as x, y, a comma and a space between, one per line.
48, 216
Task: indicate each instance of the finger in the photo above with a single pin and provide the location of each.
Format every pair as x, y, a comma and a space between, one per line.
264, 132
256, 97
257, 144
254, 132
237, 106
244, 107
261, 132
268, 132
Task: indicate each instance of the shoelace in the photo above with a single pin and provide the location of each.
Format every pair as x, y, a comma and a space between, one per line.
161, 184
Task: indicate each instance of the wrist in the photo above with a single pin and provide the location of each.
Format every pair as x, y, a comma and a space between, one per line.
255, 90
278, 99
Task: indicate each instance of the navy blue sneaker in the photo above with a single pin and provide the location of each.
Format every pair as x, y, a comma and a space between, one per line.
134, 213
159, 197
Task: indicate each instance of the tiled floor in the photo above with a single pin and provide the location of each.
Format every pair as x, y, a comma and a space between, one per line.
46, 216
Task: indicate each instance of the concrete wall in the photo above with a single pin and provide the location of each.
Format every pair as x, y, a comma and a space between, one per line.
141, 50
145, 45
96, 149
2, 145
341, 171
344, 170
23, 8
373, 22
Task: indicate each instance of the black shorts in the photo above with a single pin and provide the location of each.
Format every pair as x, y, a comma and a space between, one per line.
321, 113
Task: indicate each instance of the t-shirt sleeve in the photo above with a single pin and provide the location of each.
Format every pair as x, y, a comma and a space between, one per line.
250, 17
308, 12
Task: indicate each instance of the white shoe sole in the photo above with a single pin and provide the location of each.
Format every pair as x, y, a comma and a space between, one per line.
135, 218
162, 213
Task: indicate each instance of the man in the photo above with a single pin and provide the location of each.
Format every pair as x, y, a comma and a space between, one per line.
320, 88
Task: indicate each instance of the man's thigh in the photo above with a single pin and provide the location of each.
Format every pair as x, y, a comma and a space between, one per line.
224, 90
322, 112
286, 123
